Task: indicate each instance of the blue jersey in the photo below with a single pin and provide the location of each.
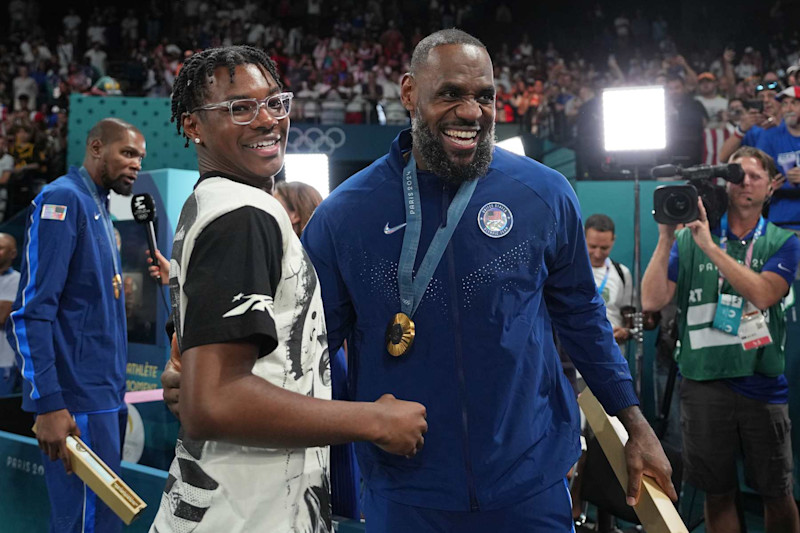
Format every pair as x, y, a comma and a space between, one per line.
66, 326
503, 421
784, 148
752, 136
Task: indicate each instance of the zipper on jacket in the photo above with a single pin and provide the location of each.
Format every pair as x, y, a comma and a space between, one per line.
462, 386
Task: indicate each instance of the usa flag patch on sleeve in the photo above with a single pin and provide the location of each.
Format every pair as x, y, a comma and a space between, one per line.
54, 212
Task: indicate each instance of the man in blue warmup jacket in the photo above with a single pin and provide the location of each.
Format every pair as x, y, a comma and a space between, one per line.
68, 326
444, 265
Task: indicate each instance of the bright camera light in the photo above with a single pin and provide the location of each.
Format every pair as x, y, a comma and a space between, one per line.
311, 169
634, 118
513, 145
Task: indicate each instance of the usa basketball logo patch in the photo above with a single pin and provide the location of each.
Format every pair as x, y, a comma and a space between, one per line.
495, 220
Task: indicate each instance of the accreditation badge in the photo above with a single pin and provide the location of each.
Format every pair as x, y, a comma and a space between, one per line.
729, 313
753, 330
400, 334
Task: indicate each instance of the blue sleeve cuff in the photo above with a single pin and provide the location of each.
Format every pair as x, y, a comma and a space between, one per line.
615, 397
51, 402
672, 268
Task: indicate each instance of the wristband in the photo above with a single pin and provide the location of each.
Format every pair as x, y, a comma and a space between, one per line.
738, 132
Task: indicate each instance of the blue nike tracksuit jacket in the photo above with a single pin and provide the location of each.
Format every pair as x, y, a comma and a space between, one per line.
503, 420
66, 326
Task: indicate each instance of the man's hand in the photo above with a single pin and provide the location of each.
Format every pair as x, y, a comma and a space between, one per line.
402, 426
644, 456
158, 271
701, 233
171, 379
52, 430
666, 231
793, 176
752, 118
621, 334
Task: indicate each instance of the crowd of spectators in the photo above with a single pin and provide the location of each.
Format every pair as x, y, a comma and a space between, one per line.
344, 60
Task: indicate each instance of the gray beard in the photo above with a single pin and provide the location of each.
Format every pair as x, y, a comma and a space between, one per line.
433, 154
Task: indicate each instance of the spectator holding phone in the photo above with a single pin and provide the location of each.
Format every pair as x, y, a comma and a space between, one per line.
783, 145
762, 114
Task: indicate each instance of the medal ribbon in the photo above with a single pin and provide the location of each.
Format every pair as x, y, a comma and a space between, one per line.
723, 241
605, 278
87, 180
412, 288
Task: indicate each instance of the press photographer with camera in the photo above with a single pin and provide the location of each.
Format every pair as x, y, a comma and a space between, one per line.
730, 281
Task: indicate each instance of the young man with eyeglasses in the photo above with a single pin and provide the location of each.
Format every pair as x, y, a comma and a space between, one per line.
755, 121
255, 388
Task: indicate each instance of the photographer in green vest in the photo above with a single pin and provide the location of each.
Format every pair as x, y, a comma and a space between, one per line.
731, 281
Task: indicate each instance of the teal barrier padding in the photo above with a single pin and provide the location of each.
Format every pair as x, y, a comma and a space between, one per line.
24, 505
345, 525
559, 158
165, 148
174, 186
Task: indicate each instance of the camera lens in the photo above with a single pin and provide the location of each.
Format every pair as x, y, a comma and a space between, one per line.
677, 205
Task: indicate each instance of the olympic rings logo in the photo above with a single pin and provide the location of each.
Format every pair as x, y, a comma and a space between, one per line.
315, 140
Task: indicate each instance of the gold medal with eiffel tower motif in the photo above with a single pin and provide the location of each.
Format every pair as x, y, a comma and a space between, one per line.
116, 281
400, 334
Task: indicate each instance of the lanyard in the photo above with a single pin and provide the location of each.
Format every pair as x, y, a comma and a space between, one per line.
87, 180
605, 278
723, 242
412, 288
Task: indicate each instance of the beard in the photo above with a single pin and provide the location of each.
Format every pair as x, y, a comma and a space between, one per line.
431, 148
115, 184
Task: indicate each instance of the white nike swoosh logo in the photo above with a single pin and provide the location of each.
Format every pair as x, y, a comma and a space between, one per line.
780, 265
96, 216
388, 231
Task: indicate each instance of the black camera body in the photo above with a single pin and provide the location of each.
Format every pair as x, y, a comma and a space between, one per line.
677, 204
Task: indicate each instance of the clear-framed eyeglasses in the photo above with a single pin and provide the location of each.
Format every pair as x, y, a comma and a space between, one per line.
245, 110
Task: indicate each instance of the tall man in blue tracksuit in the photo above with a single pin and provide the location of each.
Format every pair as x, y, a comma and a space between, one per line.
68, 326
444, 265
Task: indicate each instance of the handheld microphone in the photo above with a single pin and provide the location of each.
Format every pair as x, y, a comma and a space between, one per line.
144, 212
731, 172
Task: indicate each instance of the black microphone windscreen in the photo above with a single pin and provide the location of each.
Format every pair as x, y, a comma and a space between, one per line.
665, 171
143, 208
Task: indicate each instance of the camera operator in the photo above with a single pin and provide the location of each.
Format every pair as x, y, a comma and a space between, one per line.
730, 284
756, 120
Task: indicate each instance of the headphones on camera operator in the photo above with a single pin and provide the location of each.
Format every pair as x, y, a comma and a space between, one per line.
677, 204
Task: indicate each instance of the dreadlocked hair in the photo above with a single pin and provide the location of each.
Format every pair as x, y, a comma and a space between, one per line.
191, 85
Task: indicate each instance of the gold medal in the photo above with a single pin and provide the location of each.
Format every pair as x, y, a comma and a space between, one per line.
116, 281
400, 334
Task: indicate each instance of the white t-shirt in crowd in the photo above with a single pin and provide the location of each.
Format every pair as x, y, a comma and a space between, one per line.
615, 293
